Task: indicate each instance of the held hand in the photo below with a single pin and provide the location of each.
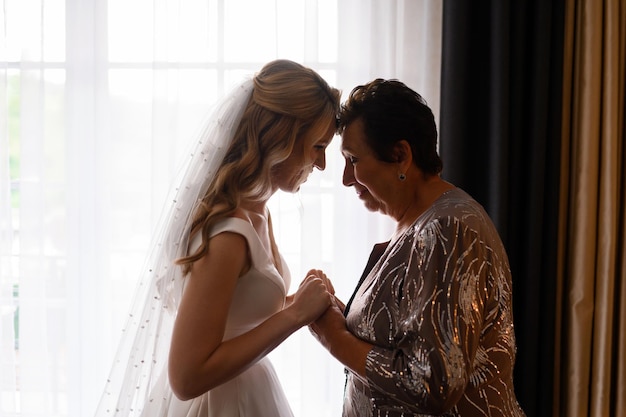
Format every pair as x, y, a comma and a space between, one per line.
311, 299
331, 331
340, 304
321, 275
327, 324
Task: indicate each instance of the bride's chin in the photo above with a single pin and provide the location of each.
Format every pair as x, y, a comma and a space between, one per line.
298, 181
291, 188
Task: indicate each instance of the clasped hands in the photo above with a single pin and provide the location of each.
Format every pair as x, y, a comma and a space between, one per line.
331, 319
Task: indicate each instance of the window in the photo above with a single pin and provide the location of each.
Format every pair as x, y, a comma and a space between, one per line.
100, 101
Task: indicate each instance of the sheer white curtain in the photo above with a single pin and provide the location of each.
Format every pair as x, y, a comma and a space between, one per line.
99, 102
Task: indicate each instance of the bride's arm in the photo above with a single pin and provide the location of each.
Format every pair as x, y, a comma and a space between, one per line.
199, 360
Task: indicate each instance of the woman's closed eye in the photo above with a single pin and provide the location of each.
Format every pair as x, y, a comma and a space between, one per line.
352, 159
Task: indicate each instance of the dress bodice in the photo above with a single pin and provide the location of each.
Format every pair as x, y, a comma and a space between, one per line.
261, 291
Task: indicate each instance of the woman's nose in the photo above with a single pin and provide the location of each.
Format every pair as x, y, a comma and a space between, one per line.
348, 174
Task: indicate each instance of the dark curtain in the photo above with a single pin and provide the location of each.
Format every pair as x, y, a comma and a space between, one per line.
500, 125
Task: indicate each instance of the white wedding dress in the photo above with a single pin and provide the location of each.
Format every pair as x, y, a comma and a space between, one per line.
257, 391
137, 384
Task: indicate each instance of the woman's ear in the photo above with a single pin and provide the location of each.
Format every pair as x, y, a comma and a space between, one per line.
402, 154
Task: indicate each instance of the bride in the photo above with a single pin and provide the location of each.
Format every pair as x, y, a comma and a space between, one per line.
212, 302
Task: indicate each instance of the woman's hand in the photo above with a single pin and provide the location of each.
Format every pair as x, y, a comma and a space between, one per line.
328, 324
332, 333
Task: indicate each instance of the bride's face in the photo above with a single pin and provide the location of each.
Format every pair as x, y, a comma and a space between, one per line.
309, 152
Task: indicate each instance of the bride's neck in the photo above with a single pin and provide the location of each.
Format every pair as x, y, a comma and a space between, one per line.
256, 208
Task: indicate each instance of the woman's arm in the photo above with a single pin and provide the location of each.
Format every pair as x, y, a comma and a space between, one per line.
331, 331
429, 310
199, 360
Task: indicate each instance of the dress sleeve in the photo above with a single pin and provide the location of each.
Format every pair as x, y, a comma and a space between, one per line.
442, 292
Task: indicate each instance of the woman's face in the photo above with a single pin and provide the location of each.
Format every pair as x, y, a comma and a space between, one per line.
309, 152
370, 177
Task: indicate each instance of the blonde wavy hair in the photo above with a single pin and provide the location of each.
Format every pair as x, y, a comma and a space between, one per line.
288, 101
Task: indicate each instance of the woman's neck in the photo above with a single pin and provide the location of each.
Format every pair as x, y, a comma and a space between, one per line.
421, 200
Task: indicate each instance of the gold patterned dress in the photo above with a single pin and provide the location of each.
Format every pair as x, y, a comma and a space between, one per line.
437, 306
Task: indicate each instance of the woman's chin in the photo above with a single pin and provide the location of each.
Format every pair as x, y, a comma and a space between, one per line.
370, 204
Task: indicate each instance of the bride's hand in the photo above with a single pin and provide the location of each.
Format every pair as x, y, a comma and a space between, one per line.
321, 275
329, 285
311, 299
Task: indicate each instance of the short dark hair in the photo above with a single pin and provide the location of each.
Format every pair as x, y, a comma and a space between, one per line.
391, 112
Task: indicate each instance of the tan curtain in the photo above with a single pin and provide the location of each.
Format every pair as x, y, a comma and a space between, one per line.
591, 344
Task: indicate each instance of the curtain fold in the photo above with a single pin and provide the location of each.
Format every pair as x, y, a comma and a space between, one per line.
501, 92
7, 303
392, 39
541, 89
591, 348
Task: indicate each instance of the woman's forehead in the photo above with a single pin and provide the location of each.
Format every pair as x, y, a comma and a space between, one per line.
353, 136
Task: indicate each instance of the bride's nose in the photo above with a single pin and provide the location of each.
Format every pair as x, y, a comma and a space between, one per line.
320, 161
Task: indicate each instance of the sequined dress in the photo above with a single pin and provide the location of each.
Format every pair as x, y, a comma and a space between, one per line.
437, 306
257, 391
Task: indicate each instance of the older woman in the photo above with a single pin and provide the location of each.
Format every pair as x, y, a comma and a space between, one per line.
429, 329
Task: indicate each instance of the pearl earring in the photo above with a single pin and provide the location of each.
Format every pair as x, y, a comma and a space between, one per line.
401, 177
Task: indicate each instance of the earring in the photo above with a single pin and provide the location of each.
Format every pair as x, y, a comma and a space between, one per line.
401, 177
